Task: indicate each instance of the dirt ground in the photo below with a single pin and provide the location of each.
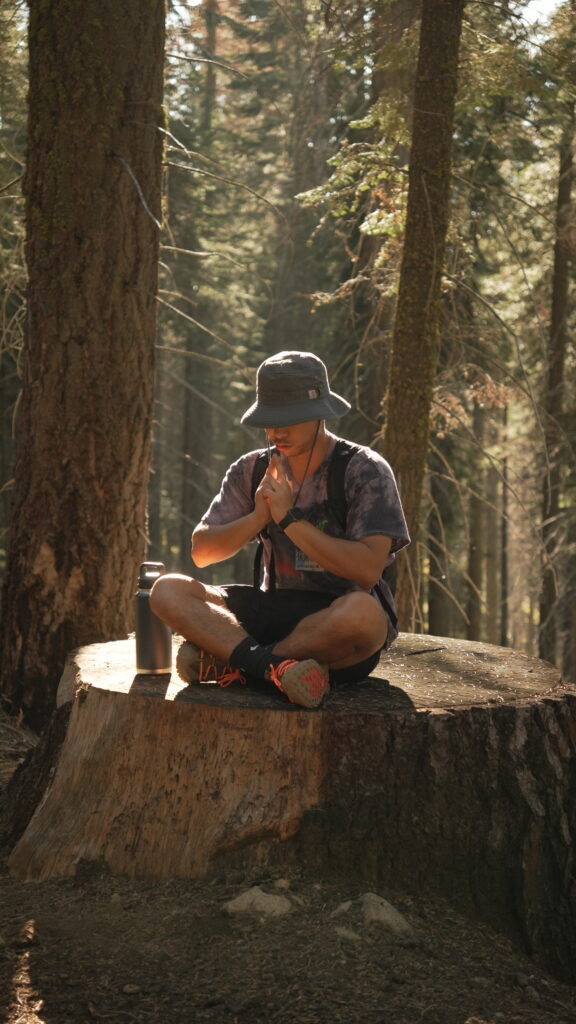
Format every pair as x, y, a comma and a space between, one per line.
100, 948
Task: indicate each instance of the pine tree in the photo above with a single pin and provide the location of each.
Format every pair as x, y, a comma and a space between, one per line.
416, 329
92, 190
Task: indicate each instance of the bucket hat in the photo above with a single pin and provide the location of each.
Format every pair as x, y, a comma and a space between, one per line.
292, 387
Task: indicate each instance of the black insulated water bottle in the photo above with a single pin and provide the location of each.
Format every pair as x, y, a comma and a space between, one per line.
153, 637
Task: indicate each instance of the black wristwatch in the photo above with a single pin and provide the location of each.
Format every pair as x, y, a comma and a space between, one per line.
292, 516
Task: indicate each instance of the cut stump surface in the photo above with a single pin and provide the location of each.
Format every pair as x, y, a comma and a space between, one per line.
419, 673
451, 769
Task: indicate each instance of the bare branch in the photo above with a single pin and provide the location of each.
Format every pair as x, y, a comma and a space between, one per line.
485, 188
9, 185
202, 327
228, 181
215, 63
139, 190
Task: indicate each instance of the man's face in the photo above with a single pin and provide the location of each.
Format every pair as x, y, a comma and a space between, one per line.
295, 440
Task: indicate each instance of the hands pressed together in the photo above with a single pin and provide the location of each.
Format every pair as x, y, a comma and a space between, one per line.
274, 496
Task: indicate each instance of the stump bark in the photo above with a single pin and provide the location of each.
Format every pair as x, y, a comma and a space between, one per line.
450, 771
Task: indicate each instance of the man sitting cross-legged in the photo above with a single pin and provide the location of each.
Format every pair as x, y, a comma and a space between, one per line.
324, 613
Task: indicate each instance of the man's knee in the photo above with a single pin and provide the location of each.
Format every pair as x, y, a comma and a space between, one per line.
360, 617
169, 591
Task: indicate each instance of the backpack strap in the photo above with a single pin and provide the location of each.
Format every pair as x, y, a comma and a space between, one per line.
258, 470
343, 452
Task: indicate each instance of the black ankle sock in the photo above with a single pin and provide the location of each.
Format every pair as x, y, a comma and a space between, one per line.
254, 658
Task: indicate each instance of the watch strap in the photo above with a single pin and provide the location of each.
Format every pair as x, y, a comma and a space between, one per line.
293, 515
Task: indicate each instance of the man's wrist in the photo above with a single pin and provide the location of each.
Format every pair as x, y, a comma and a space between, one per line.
260, 523
293, 515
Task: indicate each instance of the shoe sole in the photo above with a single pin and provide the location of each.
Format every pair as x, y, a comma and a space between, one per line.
187, 660
297, 687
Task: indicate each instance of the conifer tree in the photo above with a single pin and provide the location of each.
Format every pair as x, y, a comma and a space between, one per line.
416, 329
92, 190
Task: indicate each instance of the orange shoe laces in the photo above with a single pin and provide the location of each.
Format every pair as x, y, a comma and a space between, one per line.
210, 668
276, 671
233, 676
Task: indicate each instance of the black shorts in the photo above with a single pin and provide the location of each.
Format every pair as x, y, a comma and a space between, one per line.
269, 617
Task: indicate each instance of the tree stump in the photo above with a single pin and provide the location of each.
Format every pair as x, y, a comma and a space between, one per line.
450, 771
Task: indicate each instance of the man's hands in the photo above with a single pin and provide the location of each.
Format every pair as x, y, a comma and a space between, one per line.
273, 498
275, 492
261, 505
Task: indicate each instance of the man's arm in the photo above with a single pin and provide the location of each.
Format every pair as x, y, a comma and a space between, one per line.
360, 561
216, 543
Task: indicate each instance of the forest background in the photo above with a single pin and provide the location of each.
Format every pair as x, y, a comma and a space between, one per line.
287, 146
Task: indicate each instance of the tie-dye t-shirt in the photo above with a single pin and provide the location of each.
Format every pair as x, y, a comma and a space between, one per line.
373, 507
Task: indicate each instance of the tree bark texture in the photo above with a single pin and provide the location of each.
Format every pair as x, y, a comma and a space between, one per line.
504, 540
369, 320
443, 610
300, 267
554, 397
93, 202
476, 534
416, 329
451, 772
492, 537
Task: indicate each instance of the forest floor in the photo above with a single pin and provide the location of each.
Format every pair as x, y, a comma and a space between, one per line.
102, 948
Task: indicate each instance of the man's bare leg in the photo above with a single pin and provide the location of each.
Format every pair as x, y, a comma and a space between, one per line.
351, 629
198, 613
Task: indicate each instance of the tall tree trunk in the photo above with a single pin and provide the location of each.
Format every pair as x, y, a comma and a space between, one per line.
300, 268
441, 608
210, 15
415, 339
568, 609
369, 323
492, 553
504, 533
154, 551
197, 417
476, 530
554, 393
92, 190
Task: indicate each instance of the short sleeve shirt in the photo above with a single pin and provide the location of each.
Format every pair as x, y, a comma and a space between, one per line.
372, 502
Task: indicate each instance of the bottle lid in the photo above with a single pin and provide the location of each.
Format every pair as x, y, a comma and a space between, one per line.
149, 573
